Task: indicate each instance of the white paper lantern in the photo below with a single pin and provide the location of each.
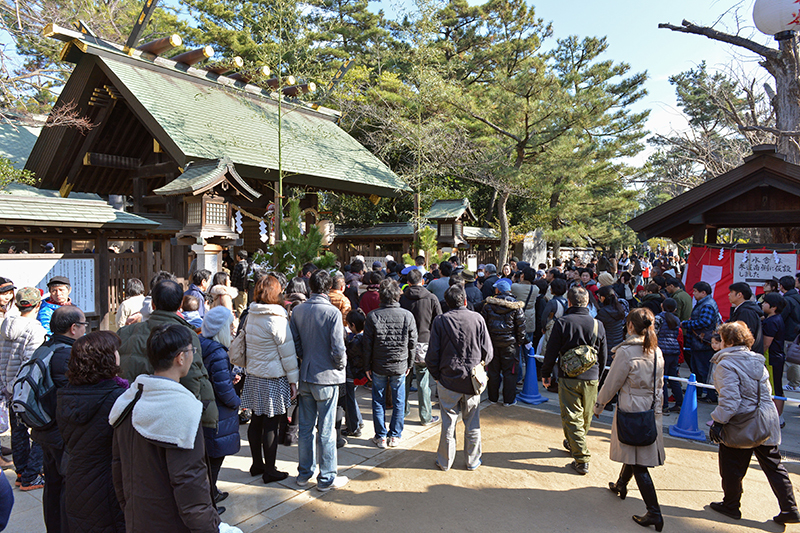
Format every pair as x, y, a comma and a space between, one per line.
776, 16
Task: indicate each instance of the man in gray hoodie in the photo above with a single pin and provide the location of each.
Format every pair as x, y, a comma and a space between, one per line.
318, 335
19, 338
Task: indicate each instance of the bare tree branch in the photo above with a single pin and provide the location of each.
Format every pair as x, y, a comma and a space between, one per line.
687, 27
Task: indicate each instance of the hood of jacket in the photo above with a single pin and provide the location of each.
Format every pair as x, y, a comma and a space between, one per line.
633, 340
416, 292
750, 363
14, 326
613, 312
505, 303
268, 309
151, 417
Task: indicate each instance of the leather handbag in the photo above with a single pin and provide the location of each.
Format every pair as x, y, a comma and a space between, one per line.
238, 348
747, 430
639, 428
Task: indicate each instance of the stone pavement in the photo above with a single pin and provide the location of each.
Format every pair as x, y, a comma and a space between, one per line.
523, 478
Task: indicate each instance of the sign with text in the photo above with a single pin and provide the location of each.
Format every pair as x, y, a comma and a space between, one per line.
35, 270
756, 268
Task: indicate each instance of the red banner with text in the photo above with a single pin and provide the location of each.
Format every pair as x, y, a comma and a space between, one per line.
721, 267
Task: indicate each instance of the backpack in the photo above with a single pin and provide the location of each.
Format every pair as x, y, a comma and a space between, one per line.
581, 358
33, 387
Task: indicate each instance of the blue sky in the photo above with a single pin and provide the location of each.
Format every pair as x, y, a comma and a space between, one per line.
631, 27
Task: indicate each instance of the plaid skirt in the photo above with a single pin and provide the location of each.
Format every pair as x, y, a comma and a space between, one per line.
266, 396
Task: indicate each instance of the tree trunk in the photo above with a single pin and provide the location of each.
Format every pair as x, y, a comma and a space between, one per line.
786, 103
504, 233
786, 71
554, 222
490, 213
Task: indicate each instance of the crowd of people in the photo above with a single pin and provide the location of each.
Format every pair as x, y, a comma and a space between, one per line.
286, 355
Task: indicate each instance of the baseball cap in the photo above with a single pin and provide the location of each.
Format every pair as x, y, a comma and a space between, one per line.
28, 297
502, 286
377, 264
408, 269
59, 280
49, 246
6, 285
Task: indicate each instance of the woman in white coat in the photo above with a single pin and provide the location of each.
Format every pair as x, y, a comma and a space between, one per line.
272, 375
631, 376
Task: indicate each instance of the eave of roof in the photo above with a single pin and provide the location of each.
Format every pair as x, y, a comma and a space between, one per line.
443, 209
672, 218
201, 176
67, 212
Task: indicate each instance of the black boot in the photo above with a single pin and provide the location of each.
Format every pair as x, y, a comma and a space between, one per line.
648, 492
620, 488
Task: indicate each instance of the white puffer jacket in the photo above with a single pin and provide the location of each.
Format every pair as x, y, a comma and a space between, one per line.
270, 346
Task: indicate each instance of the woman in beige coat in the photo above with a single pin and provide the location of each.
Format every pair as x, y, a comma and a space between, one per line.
631, 376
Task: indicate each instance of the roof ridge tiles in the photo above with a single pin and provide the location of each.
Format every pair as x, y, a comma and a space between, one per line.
86, 41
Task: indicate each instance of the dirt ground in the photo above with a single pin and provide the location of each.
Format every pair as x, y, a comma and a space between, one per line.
525, 484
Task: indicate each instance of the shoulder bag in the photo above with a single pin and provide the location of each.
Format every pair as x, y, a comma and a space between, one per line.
747, 430
581, 358
639, 428
793, 351
238, 348
479, 378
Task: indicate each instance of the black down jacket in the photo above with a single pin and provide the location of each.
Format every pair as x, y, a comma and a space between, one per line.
424, 305
224, 440
390, 338
505, 319
82, 415
613, 320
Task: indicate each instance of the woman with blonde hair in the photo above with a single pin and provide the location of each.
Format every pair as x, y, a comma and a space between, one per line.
637, 375
272, 375
746, 422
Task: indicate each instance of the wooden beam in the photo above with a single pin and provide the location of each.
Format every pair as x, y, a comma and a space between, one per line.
699, 235
139, 192
711, 236
753, 219
92, 159
156, 170
77, 164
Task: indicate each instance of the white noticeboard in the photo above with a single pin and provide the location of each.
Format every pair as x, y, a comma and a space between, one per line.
36, 270
757, 268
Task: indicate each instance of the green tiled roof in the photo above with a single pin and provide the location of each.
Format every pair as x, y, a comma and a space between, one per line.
66, 212
166, 223
406, 229
202, 175
16, 142
472, 232
449, 209
402, 229
18, 189
210, 121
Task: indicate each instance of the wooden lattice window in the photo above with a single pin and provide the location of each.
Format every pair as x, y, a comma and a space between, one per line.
193, 214
216, 214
